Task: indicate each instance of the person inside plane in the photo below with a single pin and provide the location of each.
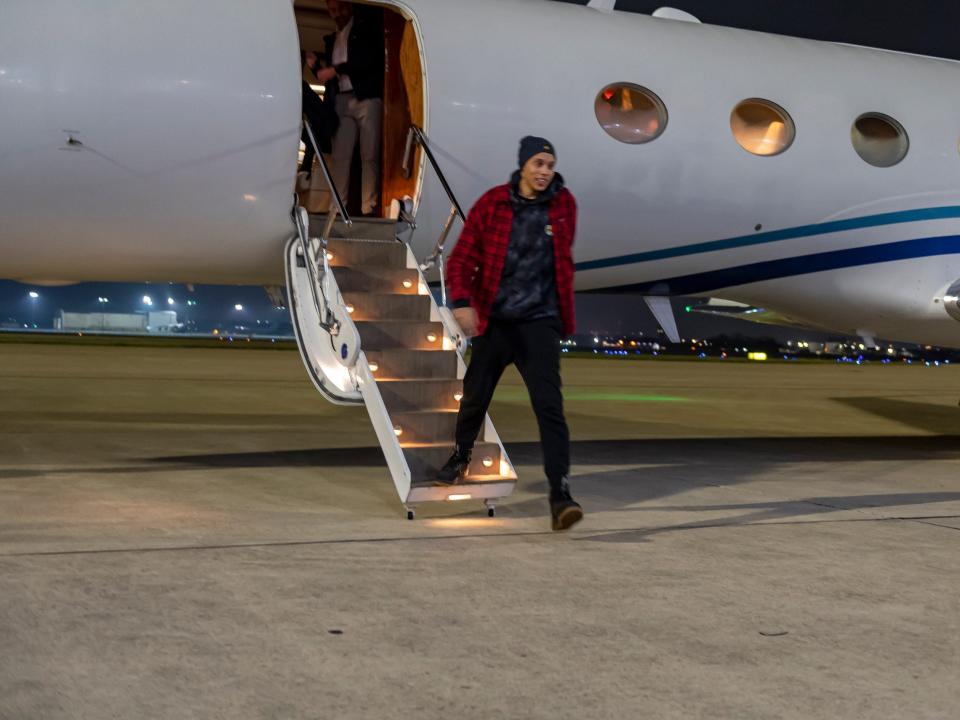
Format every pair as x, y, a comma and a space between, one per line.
354, 82
320, 114
510, 279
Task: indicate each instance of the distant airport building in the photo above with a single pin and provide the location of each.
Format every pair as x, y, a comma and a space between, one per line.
162, 321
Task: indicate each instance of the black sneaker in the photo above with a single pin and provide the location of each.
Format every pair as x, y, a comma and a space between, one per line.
565, 512
455, 468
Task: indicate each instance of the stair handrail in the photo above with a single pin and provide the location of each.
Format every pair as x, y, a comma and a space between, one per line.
416, 135
340, 206
328, 322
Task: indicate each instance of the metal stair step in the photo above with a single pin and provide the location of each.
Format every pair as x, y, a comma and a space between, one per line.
411, 395
379, 280
425, 460
366, 228
363, 254
401, 364
383, 306
424, 427
384, 334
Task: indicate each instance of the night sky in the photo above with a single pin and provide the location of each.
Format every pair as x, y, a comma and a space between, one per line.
923, 26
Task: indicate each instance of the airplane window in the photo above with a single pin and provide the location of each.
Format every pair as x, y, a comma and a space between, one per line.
630, 113
879, 139
762, 127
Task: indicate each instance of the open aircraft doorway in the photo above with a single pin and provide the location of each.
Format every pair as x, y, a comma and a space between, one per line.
403, 97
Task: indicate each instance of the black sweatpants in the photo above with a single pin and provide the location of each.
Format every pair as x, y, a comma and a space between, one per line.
534, 347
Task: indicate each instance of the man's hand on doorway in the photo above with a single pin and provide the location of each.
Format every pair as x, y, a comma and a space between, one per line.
325, 75
466, 318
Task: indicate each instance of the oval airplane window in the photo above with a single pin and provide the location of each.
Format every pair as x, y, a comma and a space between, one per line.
762, 127
879, 139
630, 113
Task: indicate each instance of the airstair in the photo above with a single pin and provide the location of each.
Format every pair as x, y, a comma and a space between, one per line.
370, 332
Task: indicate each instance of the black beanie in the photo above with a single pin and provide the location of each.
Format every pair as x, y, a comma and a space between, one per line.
531, 146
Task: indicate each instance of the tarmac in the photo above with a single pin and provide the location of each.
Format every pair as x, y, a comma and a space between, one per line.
196, 533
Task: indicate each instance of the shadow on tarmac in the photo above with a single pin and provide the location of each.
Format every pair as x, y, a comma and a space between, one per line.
922, 416
698, 454
639, 471
631, 474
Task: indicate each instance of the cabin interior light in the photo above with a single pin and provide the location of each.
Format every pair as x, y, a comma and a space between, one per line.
762, 127
630, 113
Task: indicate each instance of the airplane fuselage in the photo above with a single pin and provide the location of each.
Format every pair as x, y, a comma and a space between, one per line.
159, 143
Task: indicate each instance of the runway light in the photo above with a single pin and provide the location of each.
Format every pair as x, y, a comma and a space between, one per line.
459, 496
407, 284
34, 295
238, 306
170, 301
488, 462
147, 300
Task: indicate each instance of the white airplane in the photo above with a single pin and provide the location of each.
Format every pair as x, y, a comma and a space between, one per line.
158, 142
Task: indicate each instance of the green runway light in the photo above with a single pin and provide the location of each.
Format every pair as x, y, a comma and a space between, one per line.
598, 396
622, 397
688, 308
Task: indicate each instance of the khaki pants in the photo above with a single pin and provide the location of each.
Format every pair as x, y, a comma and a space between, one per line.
363, 118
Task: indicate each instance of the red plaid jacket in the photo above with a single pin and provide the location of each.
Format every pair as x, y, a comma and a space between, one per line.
476, 264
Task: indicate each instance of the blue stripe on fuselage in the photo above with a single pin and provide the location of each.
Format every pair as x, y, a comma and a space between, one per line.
700, 283
761, 238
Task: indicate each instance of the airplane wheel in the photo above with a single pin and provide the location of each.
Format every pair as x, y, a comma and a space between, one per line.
410, 515
491, 512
